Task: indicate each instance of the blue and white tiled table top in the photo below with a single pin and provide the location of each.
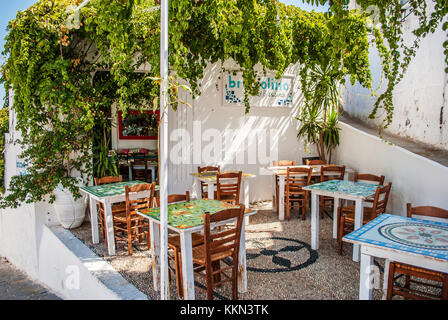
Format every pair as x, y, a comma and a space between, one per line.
343, 187
417, 236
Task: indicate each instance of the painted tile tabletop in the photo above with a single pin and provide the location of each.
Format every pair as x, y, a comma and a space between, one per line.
184, 215
111, 189
351, 188
211, 175
417, 236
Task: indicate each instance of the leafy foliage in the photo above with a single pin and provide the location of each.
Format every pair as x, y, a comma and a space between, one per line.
50, 66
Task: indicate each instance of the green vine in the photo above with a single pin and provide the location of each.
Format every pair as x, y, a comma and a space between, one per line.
50, 66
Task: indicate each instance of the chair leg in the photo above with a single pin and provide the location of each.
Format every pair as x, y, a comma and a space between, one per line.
302, 207
390, 281
445, 288
148, 238
129, 237
321, 206
209, 283
341, 222
178, 265
235, 280
288, 209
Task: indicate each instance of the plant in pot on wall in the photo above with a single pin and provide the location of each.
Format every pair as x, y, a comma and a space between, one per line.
319, 116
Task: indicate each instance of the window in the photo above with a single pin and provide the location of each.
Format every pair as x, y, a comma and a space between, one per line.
138, 125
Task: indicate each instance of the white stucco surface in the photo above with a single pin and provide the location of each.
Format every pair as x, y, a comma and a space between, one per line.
420, 99
415, 179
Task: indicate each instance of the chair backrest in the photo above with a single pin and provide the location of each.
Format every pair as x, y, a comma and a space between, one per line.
226, 240
209, 169
284, 163
380, 199
138, 203
370, 178
331, 172
427, 211
174, 198
228, 184
315, 162
294, 183
108, 179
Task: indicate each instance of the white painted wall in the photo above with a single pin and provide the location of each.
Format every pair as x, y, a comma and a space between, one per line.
236, 131
415, 179
421, 108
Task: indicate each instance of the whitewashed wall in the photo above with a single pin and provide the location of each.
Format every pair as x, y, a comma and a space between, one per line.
229, 125
415, 179
421, 108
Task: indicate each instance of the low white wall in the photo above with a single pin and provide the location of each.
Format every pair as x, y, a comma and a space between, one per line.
415, 179
58, 260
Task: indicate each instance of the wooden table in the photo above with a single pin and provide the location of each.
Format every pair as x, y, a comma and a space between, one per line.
280, 172
185, 218
107, 194
338, 189
210, 179
386, 237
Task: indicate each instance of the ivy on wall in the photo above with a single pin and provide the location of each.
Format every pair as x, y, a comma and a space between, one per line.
50, 66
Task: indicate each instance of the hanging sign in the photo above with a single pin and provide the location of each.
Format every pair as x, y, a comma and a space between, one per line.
273, 92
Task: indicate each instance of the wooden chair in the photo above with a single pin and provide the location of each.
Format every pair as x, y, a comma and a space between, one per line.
295, 195
116, 207
204, 190
346, 215
369, 178
315, 162
130, 226
228, 186
142, 174
217, 248
280, 163
123, 165
329, 172
408, 270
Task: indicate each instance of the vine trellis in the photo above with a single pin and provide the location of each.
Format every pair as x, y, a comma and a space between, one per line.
50, 66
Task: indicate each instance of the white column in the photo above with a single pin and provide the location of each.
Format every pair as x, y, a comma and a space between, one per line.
163, 152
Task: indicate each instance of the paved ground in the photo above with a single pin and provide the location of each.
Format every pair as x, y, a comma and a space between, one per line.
15, 285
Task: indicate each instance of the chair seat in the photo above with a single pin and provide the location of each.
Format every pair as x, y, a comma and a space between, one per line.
349, 214
121, 217
199, 255
174, 240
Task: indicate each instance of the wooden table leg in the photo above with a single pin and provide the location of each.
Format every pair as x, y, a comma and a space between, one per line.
359, 215
94, 220
155, 253
314, 221
366, 277
109, 225
187, 265
386, 278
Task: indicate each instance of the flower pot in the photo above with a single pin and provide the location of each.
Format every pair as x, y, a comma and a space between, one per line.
70, 212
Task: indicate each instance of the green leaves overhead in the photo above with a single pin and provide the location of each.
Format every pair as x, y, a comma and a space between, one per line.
50, 67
